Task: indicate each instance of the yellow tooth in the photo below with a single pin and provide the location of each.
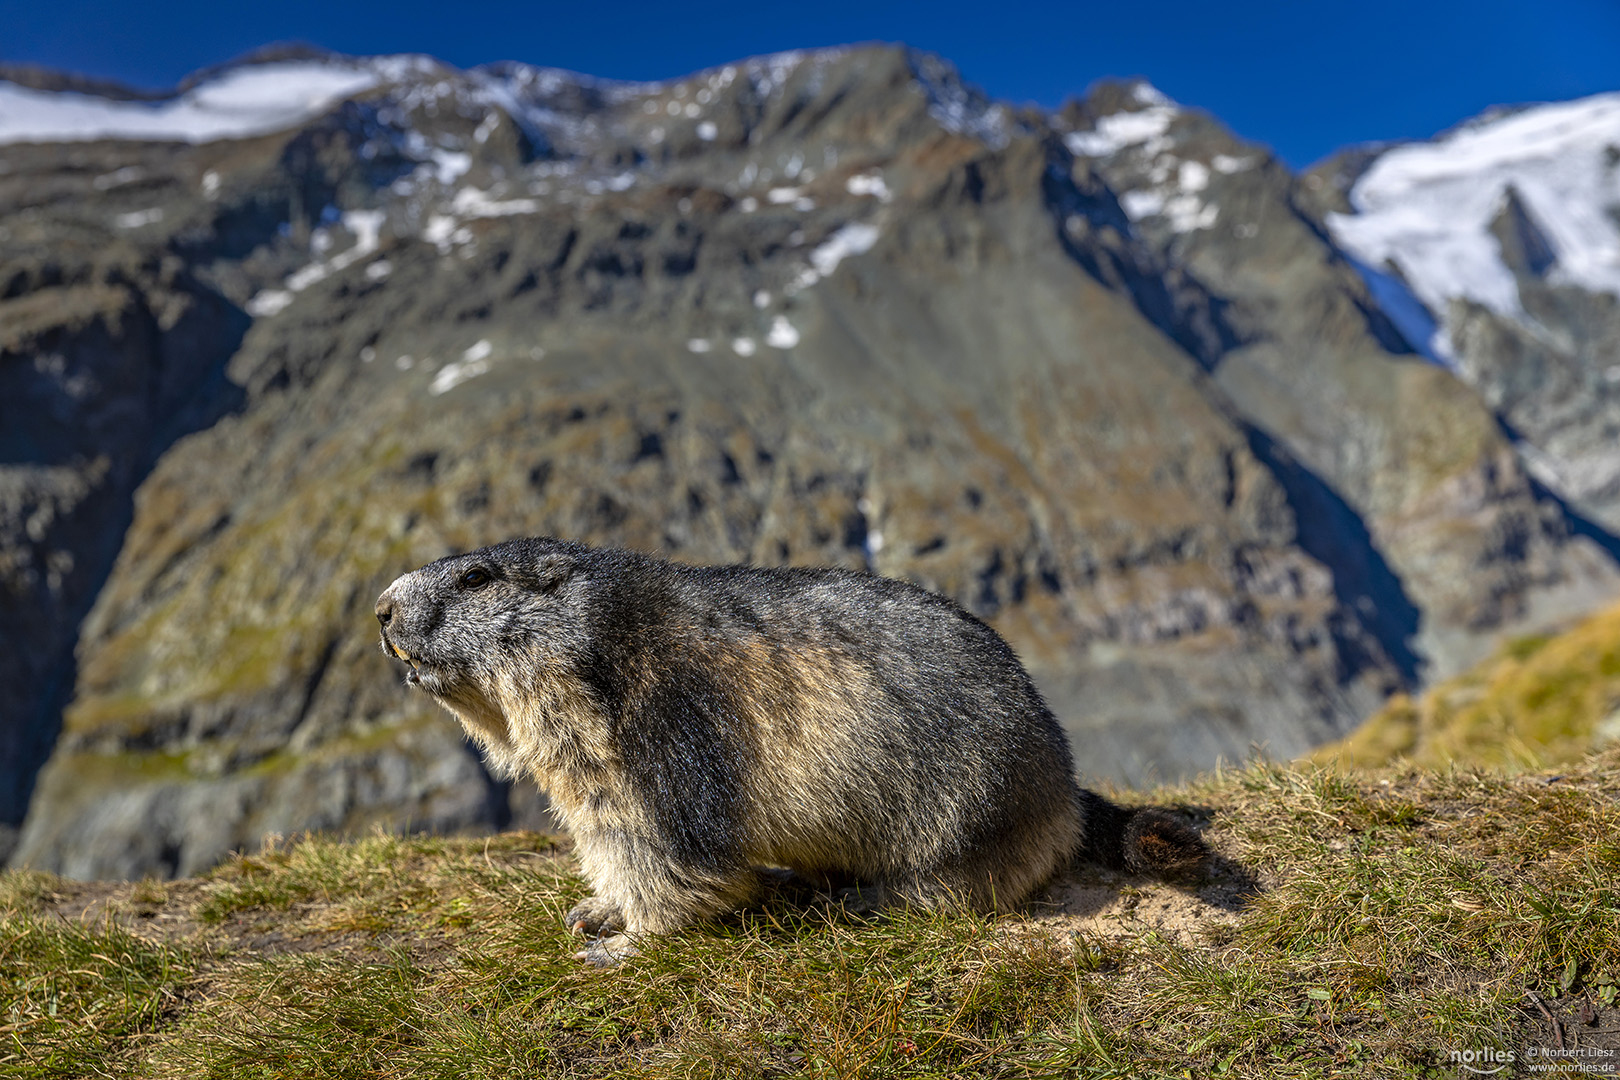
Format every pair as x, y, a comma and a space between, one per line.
402, 654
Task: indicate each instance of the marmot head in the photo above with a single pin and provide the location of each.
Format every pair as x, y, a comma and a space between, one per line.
473, 625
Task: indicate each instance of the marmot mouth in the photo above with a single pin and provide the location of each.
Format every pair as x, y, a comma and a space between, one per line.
413, 676
418, 669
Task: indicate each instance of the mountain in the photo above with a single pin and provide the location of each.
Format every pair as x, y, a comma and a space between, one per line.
1108, 376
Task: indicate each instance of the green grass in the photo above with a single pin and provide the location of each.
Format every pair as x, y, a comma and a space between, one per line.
82, 1000
1537, 701
1362, 925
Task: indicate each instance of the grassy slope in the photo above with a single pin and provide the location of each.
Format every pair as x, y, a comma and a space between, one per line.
1361, 925
1539, 701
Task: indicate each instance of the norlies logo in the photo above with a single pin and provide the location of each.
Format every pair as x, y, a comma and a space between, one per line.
1482, 1061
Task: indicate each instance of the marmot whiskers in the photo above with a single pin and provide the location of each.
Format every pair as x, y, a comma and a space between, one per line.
691, 724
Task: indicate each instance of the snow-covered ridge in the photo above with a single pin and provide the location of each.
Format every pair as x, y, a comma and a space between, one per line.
1427, 208
958, 107
256, 99
241, 102
252, 99
1169, 187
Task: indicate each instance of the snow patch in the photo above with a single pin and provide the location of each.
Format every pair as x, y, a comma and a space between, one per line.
268, 302
445, 232
1113, 133
1187, 214
118, 178
301, 279
366, 228
1226, 164
1140, 204
1542, 465
783, 334
450, 165
868, 184
1408, 314
473, 363
707, 131
1148, 94
698, 345
470, 202
1184, 213
855, 239
137, 218
743, 346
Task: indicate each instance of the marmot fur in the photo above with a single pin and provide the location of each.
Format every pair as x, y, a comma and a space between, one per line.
691, 724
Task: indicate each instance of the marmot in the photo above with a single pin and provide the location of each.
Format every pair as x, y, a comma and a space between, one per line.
693, 723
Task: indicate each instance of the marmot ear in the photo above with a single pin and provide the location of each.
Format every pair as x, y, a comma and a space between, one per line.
551, 572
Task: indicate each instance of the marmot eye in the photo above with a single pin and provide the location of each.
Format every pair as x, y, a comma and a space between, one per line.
475, 577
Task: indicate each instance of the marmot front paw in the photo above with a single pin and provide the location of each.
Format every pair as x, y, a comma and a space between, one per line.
594, 916
607, 951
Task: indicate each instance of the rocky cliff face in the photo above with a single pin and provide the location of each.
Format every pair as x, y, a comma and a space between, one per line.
1104, 376
108, 352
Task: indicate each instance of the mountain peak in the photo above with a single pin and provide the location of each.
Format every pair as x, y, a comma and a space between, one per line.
1427, 208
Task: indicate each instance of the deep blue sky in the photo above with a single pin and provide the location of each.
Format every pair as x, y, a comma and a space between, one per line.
1305, 76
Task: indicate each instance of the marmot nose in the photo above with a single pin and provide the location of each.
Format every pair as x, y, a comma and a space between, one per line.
385, 609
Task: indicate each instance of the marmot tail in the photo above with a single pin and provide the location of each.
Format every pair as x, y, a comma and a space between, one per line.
1140, 840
